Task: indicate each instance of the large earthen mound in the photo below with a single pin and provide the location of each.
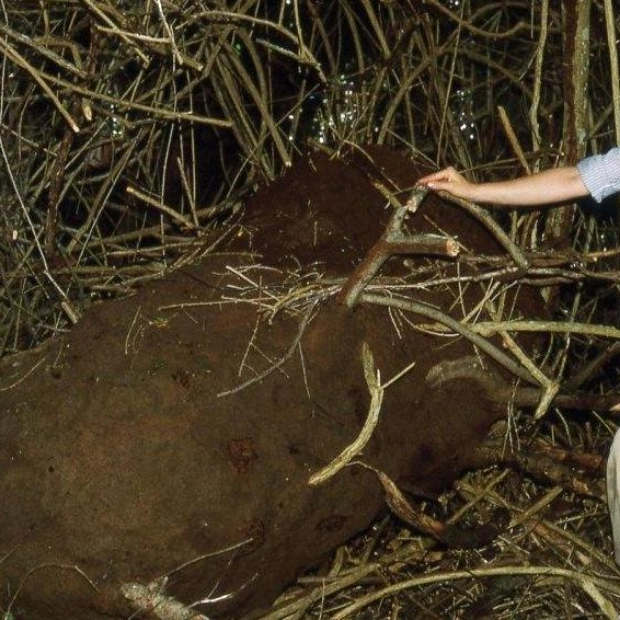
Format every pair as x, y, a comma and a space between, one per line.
128, 454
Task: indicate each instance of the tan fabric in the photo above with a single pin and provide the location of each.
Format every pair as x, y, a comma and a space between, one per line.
613, 492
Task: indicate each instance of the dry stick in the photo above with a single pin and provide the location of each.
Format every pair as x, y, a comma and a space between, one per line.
161, 206
408, 112
98, 204
379, 31
612, 45
57, 175
446, 122
242, 363
156, 45
520, 517
489, 328
492, 226
102, 16
373, 107
551, 259
37, 75
592, 367
143, 38
130, 331
467, 24
123, 104
279, 363
515, 80
151, 599
229, 17
23, 378
98, 272
500, 391
467, 332
561, 355
22, 205
45, 51
60, 567
72, 314
518, 151
252, 283
402, 94
326, 43
373, 380
400, 506
546, 529
550, 387
201, 249
392, 242
351, 14
536, 507
298, 30
582, 461
262, 98
300, 58
475, 498
588, 583
241, 74
229, 98
540, 54
542, 466
512, 138
407, 553
187, 190
173, 44
305, 55
160, 231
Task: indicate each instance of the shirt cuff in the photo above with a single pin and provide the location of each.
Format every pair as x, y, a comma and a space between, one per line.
601, 174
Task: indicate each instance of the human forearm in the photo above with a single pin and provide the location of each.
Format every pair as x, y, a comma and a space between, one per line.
548, 187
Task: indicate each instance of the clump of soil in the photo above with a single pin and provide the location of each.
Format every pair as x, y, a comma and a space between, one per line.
130, 450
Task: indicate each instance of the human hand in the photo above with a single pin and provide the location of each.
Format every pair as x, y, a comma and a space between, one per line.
451, 181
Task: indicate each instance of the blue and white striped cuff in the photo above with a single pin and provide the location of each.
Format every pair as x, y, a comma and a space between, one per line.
601, 174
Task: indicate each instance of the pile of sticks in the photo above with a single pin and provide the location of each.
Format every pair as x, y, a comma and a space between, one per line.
128, 130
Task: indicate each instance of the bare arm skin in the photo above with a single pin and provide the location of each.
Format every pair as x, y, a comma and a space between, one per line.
543, 188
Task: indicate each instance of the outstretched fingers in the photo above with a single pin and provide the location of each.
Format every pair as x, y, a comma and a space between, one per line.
448, 180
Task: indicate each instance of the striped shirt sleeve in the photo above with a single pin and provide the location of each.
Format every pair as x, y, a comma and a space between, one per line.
601, 174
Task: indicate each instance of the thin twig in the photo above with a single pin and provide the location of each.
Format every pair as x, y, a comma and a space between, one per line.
373, 380
280, 362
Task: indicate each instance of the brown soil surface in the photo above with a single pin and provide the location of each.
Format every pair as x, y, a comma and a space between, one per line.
120, 462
